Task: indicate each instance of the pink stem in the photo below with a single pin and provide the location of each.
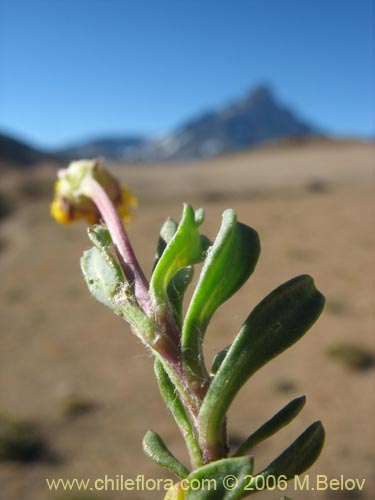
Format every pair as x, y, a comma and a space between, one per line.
125, 252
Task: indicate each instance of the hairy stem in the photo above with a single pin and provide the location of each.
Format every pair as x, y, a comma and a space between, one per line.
192, 392
125, 252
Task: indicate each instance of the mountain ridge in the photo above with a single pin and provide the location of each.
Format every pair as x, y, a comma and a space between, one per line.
17, 152
254, 119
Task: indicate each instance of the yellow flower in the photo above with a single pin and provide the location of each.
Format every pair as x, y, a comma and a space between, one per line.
72, 200
128, 201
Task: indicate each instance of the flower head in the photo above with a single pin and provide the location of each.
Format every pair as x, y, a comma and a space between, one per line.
73, 198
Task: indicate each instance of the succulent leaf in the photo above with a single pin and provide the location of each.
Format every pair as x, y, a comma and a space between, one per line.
176, 292
275, 324
213, 476
297, 458
167, 231
218, 359
273, 425
155, 448
229, 263
100, 237
184, 249
102, 275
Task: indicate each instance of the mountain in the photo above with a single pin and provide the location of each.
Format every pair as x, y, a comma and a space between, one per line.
255, 119
114, 148
18, 153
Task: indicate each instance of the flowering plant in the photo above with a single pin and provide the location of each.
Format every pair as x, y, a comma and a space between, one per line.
197, 397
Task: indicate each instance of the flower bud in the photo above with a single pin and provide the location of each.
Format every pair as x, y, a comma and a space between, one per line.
73, 199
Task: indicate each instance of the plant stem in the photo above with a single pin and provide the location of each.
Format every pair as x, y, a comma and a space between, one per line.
191, 391
125, 252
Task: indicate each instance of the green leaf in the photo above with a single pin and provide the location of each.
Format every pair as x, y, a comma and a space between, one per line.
106, 283
274, 325
184, 249
103, 276
176, 291
212, 479
297, 458
99, 236
229, 263
218, 359
167, 231
269, 428
155, 448
179, 283
175, 406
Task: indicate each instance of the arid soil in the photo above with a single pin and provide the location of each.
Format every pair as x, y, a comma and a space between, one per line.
313, 207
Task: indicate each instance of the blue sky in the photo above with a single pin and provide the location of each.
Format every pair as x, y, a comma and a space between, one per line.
71, 69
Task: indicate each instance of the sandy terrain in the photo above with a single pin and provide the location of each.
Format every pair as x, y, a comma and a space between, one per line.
313, 207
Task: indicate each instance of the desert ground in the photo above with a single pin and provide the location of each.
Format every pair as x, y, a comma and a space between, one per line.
79, 375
